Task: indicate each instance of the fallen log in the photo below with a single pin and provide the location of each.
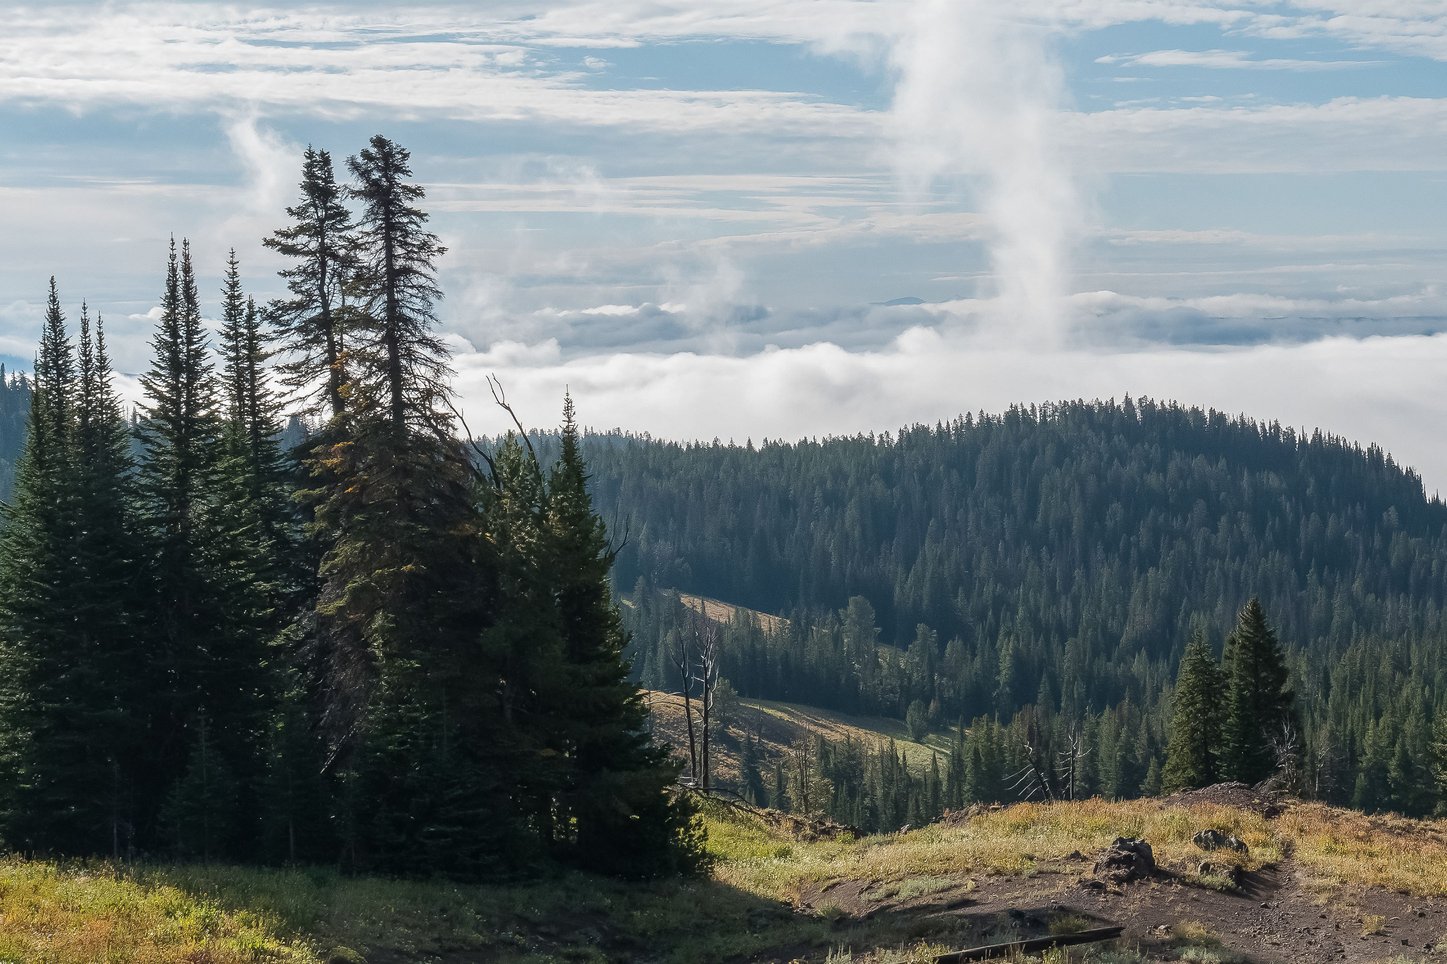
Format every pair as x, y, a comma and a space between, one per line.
1028, 946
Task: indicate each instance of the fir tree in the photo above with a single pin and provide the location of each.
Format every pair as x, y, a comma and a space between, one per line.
1195, 741
315, 324
205, 600
1259, 700
626, 823
398, 282
45, 802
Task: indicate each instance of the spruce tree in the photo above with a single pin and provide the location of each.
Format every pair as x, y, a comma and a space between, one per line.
1195, 741
109, 557
315, 324
1259, 700
206, 604
523, 641
398, 281
625, 821
73, 683
45, 802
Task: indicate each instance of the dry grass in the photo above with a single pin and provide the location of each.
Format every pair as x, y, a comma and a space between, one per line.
722, 612
1393, 853
1016, 840
52, 914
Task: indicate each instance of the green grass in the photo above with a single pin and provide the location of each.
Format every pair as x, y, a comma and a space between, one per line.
767, 898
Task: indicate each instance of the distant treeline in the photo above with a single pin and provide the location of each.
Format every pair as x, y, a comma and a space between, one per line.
1047, 568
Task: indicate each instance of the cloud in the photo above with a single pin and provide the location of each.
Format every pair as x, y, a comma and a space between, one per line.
1227, 60
924, 376
976, 92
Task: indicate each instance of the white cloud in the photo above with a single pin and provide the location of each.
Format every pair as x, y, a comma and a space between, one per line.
923, 376
1227, 60
977, 92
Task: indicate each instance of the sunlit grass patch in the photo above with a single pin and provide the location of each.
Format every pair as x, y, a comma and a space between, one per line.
84, 913
1344, 847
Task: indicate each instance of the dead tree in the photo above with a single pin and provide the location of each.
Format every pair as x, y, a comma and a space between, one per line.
1033, 778
1069, 760
706, 638
684, 661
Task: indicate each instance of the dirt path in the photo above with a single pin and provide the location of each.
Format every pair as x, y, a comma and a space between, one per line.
1273, 919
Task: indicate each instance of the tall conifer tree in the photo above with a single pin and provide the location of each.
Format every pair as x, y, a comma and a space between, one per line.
1259, 700
399, 283
1195, 741
43, 796
206, 602
625, 821
314, 325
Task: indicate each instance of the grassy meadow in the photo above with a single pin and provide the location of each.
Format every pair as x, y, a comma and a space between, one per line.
86, 912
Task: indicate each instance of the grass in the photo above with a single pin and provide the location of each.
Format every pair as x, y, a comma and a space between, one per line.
1393, 853
764, 900
1016, 840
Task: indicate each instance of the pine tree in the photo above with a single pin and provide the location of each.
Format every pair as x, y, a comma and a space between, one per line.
109, 556
625, 821
316, 323
205, 600
1195, 740
398, 281
45, 803
1259, 700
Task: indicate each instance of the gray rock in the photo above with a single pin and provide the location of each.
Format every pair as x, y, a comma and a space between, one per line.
1213, 839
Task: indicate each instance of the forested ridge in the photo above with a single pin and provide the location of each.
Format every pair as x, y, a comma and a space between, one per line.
1046, 568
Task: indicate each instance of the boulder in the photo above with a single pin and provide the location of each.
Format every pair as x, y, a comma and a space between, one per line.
1213, 839
1125, 860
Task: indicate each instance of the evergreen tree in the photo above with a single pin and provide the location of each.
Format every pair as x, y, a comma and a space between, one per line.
1259, 700
398, 282
316, 323
45, 802
74, 685
625, 821
1195, 742
206, 607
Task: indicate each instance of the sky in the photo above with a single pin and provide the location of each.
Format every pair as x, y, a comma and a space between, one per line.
772, 219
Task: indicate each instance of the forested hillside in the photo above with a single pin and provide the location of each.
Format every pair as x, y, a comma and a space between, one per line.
14, 409
1055, 560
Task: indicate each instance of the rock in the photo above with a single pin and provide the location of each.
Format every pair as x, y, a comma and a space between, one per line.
1232, 874
1213, 839
345, 955
1125, 860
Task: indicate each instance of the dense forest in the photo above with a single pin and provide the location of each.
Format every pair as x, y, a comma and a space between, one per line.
1046, 569
383, 649
14, 410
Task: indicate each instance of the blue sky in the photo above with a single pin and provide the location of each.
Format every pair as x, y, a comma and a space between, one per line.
692, 213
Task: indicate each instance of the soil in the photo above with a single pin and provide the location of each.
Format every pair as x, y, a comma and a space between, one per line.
1272, 918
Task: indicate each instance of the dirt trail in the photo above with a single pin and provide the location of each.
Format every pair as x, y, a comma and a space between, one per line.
1273, 919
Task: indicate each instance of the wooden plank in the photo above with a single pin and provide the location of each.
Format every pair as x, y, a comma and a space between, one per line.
1029, 946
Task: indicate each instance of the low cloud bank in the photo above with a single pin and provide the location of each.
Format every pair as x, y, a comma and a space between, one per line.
1375, 390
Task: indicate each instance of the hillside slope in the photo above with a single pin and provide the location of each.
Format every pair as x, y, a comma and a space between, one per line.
1046, 568
777, 727
1117, 522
